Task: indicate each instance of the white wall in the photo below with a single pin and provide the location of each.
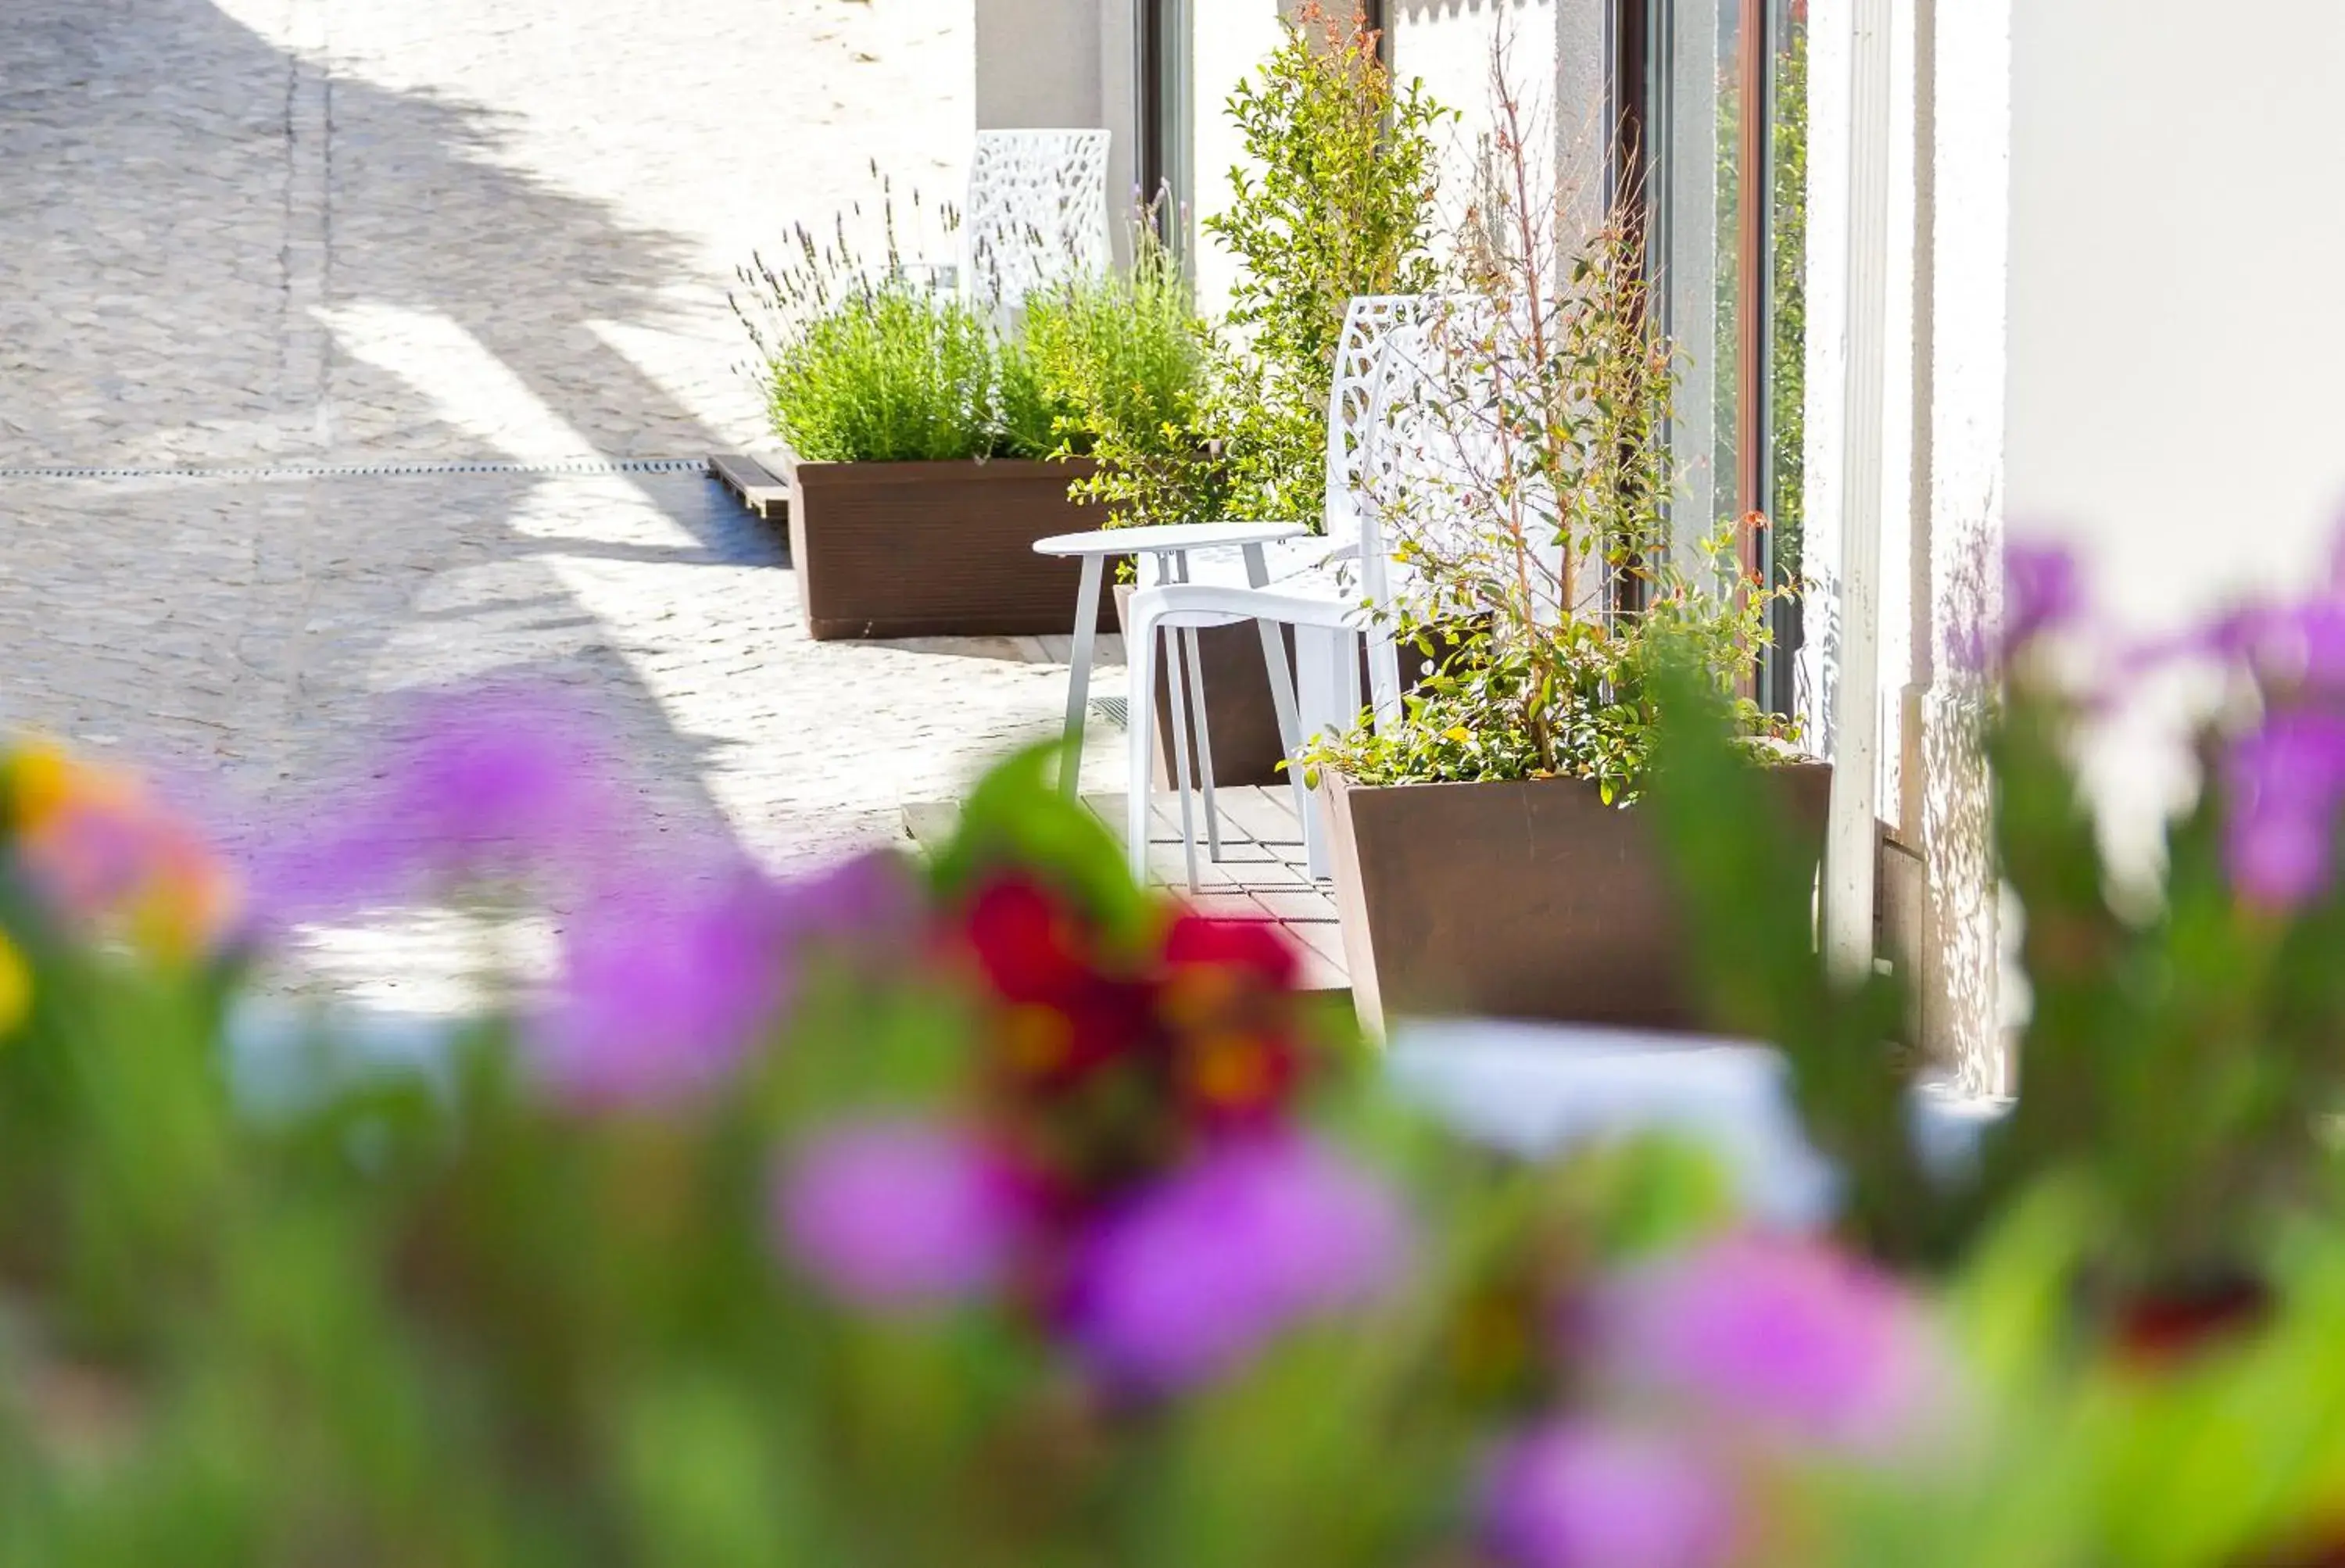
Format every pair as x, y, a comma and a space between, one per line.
1228, 40
2176, 339
1447, 44
1941, 502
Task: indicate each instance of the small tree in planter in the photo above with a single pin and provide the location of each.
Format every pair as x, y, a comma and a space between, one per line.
916, 441
1336, 200
1534, 522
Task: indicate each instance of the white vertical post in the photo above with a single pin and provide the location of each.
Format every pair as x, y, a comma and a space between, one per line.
1852, 841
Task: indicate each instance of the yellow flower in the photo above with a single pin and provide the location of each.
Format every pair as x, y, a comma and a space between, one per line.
15, 988
108, 854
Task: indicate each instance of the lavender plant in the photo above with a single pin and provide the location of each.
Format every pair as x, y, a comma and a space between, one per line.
861, 362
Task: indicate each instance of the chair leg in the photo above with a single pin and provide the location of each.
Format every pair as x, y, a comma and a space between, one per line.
1384, 676
1290, 726
1205, 741
1174, 679
1328, 688
1140, 698
1079, 675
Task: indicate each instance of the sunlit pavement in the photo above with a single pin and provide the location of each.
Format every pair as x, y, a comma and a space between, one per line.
249, 237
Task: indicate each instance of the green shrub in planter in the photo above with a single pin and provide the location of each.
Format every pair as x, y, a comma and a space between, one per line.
1132, 361
893, 373
861, 363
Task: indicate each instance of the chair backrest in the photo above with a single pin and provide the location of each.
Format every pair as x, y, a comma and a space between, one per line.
1036, 215
1424, 437
1368, 319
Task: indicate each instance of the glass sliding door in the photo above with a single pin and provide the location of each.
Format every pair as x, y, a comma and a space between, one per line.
1719, 125
1162, 28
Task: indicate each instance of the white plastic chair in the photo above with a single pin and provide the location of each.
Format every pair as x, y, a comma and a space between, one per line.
1347, 596
1037, 214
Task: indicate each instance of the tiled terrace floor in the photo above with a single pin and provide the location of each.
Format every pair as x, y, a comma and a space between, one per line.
1260, 875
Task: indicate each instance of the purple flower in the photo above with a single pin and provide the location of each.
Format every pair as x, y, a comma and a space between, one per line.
898, 1215
1577, 1495
2282, 784
663, 995
504, 781
2042, 591
1784, 1336
1220, 1257
872, 900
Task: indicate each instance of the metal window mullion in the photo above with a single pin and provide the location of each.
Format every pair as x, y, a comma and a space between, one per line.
1852, 841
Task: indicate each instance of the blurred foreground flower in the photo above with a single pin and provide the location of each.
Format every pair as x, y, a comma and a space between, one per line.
662, 994
897, 1214
502, 785
2043, 591
1253, 1239
1783, 1338
15, 987
2285, 782
664, 991
106, 855
1577, 1495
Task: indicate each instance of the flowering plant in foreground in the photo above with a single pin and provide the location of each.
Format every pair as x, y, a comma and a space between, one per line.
980, 1210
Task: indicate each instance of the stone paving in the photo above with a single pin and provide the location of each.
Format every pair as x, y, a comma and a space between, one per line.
248, 236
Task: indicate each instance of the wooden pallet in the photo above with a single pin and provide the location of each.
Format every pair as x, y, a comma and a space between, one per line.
753, 484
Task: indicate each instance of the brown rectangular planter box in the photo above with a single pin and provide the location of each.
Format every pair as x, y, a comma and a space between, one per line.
935, 549
1531, 899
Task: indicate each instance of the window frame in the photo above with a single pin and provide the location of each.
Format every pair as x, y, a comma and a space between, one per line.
1639, 70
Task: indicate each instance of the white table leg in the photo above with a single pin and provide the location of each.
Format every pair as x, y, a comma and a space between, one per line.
1079, 673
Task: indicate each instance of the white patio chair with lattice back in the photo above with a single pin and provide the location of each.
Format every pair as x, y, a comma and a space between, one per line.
1378, 448
1037, 214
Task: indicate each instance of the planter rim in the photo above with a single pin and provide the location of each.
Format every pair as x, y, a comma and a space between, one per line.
952, 471
1341, 780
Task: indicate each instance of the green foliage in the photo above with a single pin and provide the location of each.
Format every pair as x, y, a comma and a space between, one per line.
1787, 316
893, 374
1530, 505
1334, 201
1129, 359
2182, 1065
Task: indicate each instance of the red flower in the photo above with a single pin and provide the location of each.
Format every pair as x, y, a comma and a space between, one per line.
1226, 996
1254, 947
1031, 947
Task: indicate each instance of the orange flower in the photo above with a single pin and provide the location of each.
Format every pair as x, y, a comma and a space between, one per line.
104, 852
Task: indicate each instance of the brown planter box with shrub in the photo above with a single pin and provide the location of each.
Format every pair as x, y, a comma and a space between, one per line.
935, 549
1531, 899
